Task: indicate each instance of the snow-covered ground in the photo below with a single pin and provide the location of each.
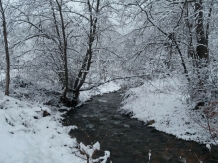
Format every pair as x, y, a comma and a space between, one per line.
26, 136
163, 102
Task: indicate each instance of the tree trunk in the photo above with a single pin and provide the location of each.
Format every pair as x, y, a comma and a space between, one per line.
81, 77
64, 50
6, 49
202, 46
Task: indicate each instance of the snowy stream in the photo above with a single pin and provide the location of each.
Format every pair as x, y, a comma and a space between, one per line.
129, 140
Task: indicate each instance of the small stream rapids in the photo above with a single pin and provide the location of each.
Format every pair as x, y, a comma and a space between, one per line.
129, 140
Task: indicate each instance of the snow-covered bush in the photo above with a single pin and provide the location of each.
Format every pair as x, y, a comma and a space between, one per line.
26, 89
89, 151
202, 84
202, 93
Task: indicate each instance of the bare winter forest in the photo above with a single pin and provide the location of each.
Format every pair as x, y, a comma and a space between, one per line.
162, 55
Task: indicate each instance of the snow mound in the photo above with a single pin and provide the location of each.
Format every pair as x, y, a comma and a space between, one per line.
27, 136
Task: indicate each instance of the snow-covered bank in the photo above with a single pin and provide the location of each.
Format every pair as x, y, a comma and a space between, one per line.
163, 102
105, 88
28, 137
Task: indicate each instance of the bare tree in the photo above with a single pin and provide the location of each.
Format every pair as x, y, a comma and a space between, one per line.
66, 41
50, 30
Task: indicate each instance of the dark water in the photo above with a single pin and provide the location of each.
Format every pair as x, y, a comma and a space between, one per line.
129, 140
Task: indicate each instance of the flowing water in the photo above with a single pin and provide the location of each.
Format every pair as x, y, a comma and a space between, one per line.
129, 140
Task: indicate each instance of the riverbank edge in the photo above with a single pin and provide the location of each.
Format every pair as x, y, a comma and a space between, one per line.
160, 104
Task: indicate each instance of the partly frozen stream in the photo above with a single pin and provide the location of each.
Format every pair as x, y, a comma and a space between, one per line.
129, 140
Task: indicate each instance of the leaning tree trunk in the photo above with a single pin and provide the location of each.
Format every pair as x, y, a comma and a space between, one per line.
4, 26
81, 77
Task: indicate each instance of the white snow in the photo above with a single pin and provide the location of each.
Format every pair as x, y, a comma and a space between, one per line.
208, 146
104, 158
149, 155
90, 149
27, 136
163, 102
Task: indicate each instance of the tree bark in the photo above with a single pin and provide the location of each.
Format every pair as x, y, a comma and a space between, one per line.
202, 45
64, 49
4, 26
